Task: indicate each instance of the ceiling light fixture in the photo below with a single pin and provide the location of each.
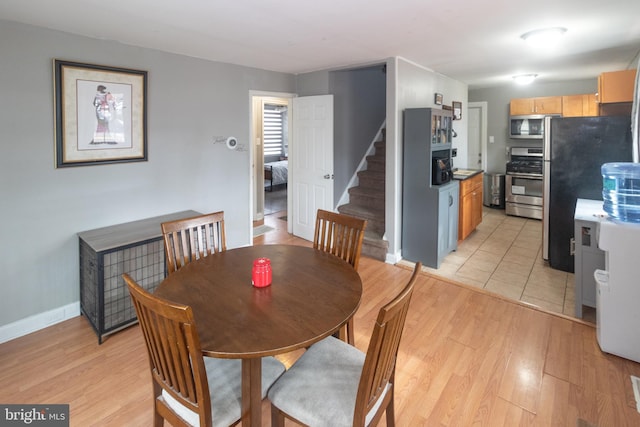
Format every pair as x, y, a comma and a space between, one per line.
543, 35
524, 79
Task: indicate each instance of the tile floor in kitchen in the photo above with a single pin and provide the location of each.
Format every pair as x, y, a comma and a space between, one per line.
504, 255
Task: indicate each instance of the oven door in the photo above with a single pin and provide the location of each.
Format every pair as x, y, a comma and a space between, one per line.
523, 195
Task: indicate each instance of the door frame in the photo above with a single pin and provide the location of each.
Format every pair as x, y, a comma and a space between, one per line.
255, 161
483, 106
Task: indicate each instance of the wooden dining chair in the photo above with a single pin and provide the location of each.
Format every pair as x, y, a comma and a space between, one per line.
335, 384
340, 235
188, 388
188, 239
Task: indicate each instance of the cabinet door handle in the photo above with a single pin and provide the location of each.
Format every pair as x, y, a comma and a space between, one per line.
450, 200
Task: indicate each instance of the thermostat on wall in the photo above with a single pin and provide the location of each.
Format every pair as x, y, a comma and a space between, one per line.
232, 143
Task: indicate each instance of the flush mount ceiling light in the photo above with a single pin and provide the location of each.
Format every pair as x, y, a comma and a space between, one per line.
524, 79
543, 35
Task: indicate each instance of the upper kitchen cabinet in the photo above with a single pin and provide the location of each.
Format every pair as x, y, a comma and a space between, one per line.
616, 86
541, 105
579, 105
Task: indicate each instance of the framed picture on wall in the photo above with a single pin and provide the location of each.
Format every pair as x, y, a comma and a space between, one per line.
457, 110
100, 114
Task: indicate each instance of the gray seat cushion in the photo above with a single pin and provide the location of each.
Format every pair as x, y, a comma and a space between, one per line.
225, 388
320, 388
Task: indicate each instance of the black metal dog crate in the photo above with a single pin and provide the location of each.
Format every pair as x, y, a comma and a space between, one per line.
135, 248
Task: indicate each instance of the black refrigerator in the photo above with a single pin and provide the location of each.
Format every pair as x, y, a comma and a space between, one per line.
574, 150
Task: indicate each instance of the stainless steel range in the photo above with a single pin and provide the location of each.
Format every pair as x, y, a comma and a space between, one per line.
523, 183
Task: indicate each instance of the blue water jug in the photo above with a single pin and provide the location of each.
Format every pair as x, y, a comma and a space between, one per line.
621, 191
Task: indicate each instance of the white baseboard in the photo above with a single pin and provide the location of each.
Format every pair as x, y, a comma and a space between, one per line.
38, 321
393, 258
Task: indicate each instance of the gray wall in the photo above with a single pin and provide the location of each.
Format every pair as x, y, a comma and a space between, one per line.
498, 113
359, 111
407, 85
414, 87
310, 84
189, 102
359, 97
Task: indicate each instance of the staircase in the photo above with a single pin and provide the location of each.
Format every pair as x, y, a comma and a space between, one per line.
366, 201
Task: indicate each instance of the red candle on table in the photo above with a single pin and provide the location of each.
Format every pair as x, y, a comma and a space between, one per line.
261, 273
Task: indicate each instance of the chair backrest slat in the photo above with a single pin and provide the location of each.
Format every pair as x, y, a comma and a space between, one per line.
379, 365
189, 239
173, 347
340, 235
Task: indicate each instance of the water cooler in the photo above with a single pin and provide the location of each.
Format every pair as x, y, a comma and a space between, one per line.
618, 289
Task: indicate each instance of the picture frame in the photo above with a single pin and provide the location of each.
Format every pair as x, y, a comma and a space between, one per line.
457, 110
437, 98
100, 114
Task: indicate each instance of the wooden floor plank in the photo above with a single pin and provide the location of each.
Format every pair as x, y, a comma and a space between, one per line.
467, 358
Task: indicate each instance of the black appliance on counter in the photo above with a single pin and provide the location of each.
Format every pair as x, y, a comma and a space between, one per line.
575, 148
441, 170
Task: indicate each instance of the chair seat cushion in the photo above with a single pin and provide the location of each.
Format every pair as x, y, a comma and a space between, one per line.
320, 388
225, 389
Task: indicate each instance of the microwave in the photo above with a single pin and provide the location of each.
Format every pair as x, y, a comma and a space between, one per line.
526, 127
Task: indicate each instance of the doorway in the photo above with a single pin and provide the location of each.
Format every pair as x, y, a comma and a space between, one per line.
270, 118
275, 151
477, 135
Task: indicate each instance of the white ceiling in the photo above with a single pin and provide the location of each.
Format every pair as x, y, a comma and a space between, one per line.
474, 41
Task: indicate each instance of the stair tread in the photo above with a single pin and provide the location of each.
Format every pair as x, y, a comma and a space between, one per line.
367, 202
370, 235
365, 212
372, 175
366, 192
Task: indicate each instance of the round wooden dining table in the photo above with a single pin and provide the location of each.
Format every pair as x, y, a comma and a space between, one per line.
312, 295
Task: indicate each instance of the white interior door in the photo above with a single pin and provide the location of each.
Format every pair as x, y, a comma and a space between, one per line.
311, 161
475, 150
477, 145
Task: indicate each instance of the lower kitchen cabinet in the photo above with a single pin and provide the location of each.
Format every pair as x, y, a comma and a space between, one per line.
430, 223
588, 257
470, 205
448, 206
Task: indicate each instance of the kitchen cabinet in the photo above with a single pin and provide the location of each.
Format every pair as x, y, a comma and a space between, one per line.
579, 105
429, 210
616, 86
588, 257
448, 206
540, 105
470, 204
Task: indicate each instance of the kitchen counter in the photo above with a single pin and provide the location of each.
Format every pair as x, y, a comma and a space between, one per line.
462, 174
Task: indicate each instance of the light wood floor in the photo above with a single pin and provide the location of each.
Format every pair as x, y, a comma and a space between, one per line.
467, 358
